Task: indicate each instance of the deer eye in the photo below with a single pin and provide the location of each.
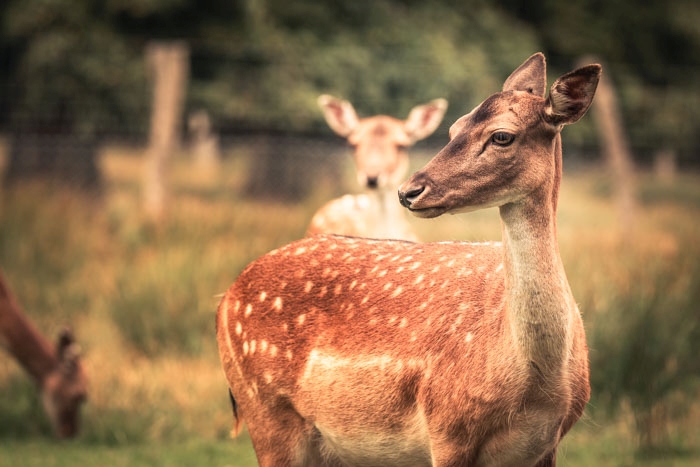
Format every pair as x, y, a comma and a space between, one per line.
502, 138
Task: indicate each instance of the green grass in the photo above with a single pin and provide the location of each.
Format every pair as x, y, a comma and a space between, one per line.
141, 298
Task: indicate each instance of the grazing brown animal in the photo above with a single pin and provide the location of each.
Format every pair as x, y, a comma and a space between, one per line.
381, 162
346, 351
57, 370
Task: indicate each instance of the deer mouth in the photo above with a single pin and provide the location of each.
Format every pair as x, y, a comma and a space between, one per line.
428, 212
415, 199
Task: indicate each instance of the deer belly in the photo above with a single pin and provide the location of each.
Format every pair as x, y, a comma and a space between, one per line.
365, 408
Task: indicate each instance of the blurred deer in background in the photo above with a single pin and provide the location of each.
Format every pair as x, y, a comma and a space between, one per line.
381, 161
350, 351
56, 369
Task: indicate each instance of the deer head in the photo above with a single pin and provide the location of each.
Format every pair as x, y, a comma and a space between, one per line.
380, 142
502, 151
64, 389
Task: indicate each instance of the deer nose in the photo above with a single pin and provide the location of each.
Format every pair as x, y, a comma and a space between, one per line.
407, 197
372, 182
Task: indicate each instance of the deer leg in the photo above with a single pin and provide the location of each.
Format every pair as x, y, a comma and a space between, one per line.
282, 438
449, 454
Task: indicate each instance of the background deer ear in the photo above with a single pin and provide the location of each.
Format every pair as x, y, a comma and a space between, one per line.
531, 76
65, 341
423, 120
68, 351
340, 115
571, 95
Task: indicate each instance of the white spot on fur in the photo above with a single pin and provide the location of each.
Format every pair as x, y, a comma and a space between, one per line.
273, 350
397, 292
309, 285
419, 279
499, 267
253, 346
338, 289
248, 310
468, 337
300, 251
263, 295
403, 323
239, 328
263, 346
268, 377
277, 304
301, 318
245, 348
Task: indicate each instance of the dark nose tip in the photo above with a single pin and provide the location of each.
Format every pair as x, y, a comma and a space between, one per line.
372, 182
409, 196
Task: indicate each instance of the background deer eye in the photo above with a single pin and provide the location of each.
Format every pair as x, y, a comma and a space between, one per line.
502, 138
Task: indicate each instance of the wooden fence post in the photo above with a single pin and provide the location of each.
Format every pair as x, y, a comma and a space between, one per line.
168, 64
606, 114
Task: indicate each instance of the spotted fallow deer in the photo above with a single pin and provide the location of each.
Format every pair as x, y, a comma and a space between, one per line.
381, 162
346, 351
56, 370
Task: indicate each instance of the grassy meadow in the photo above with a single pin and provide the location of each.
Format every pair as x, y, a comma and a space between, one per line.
141, 298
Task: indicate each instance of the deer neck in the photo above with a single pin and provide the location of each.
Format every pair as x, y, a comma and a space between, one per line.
388, 206
539, 301
33, 352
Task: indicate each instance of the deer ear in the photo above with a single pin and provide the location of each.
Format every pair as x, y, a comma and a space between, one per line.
423, 120
571, 95
68, 351
340, 115
531, 76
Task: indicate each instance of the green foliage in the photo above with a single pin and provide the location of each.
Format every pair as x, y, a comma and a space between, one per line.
645, 345
22, 416
79, 66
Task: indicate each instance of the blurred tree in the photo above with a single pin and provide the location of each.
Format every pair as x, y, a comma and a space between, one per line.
72, 78
652, 55
74, 67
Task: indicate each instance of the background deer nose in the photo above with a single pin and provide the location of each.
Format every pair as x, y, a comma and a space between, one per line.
372, 182
409, 196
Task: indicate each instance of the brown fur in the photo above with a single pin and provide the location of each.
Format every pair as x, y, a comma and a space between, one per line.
347, 351
57, 370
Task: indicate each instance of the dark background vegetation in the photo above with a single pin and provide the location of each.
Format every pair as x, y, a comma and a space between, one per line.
77, 66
